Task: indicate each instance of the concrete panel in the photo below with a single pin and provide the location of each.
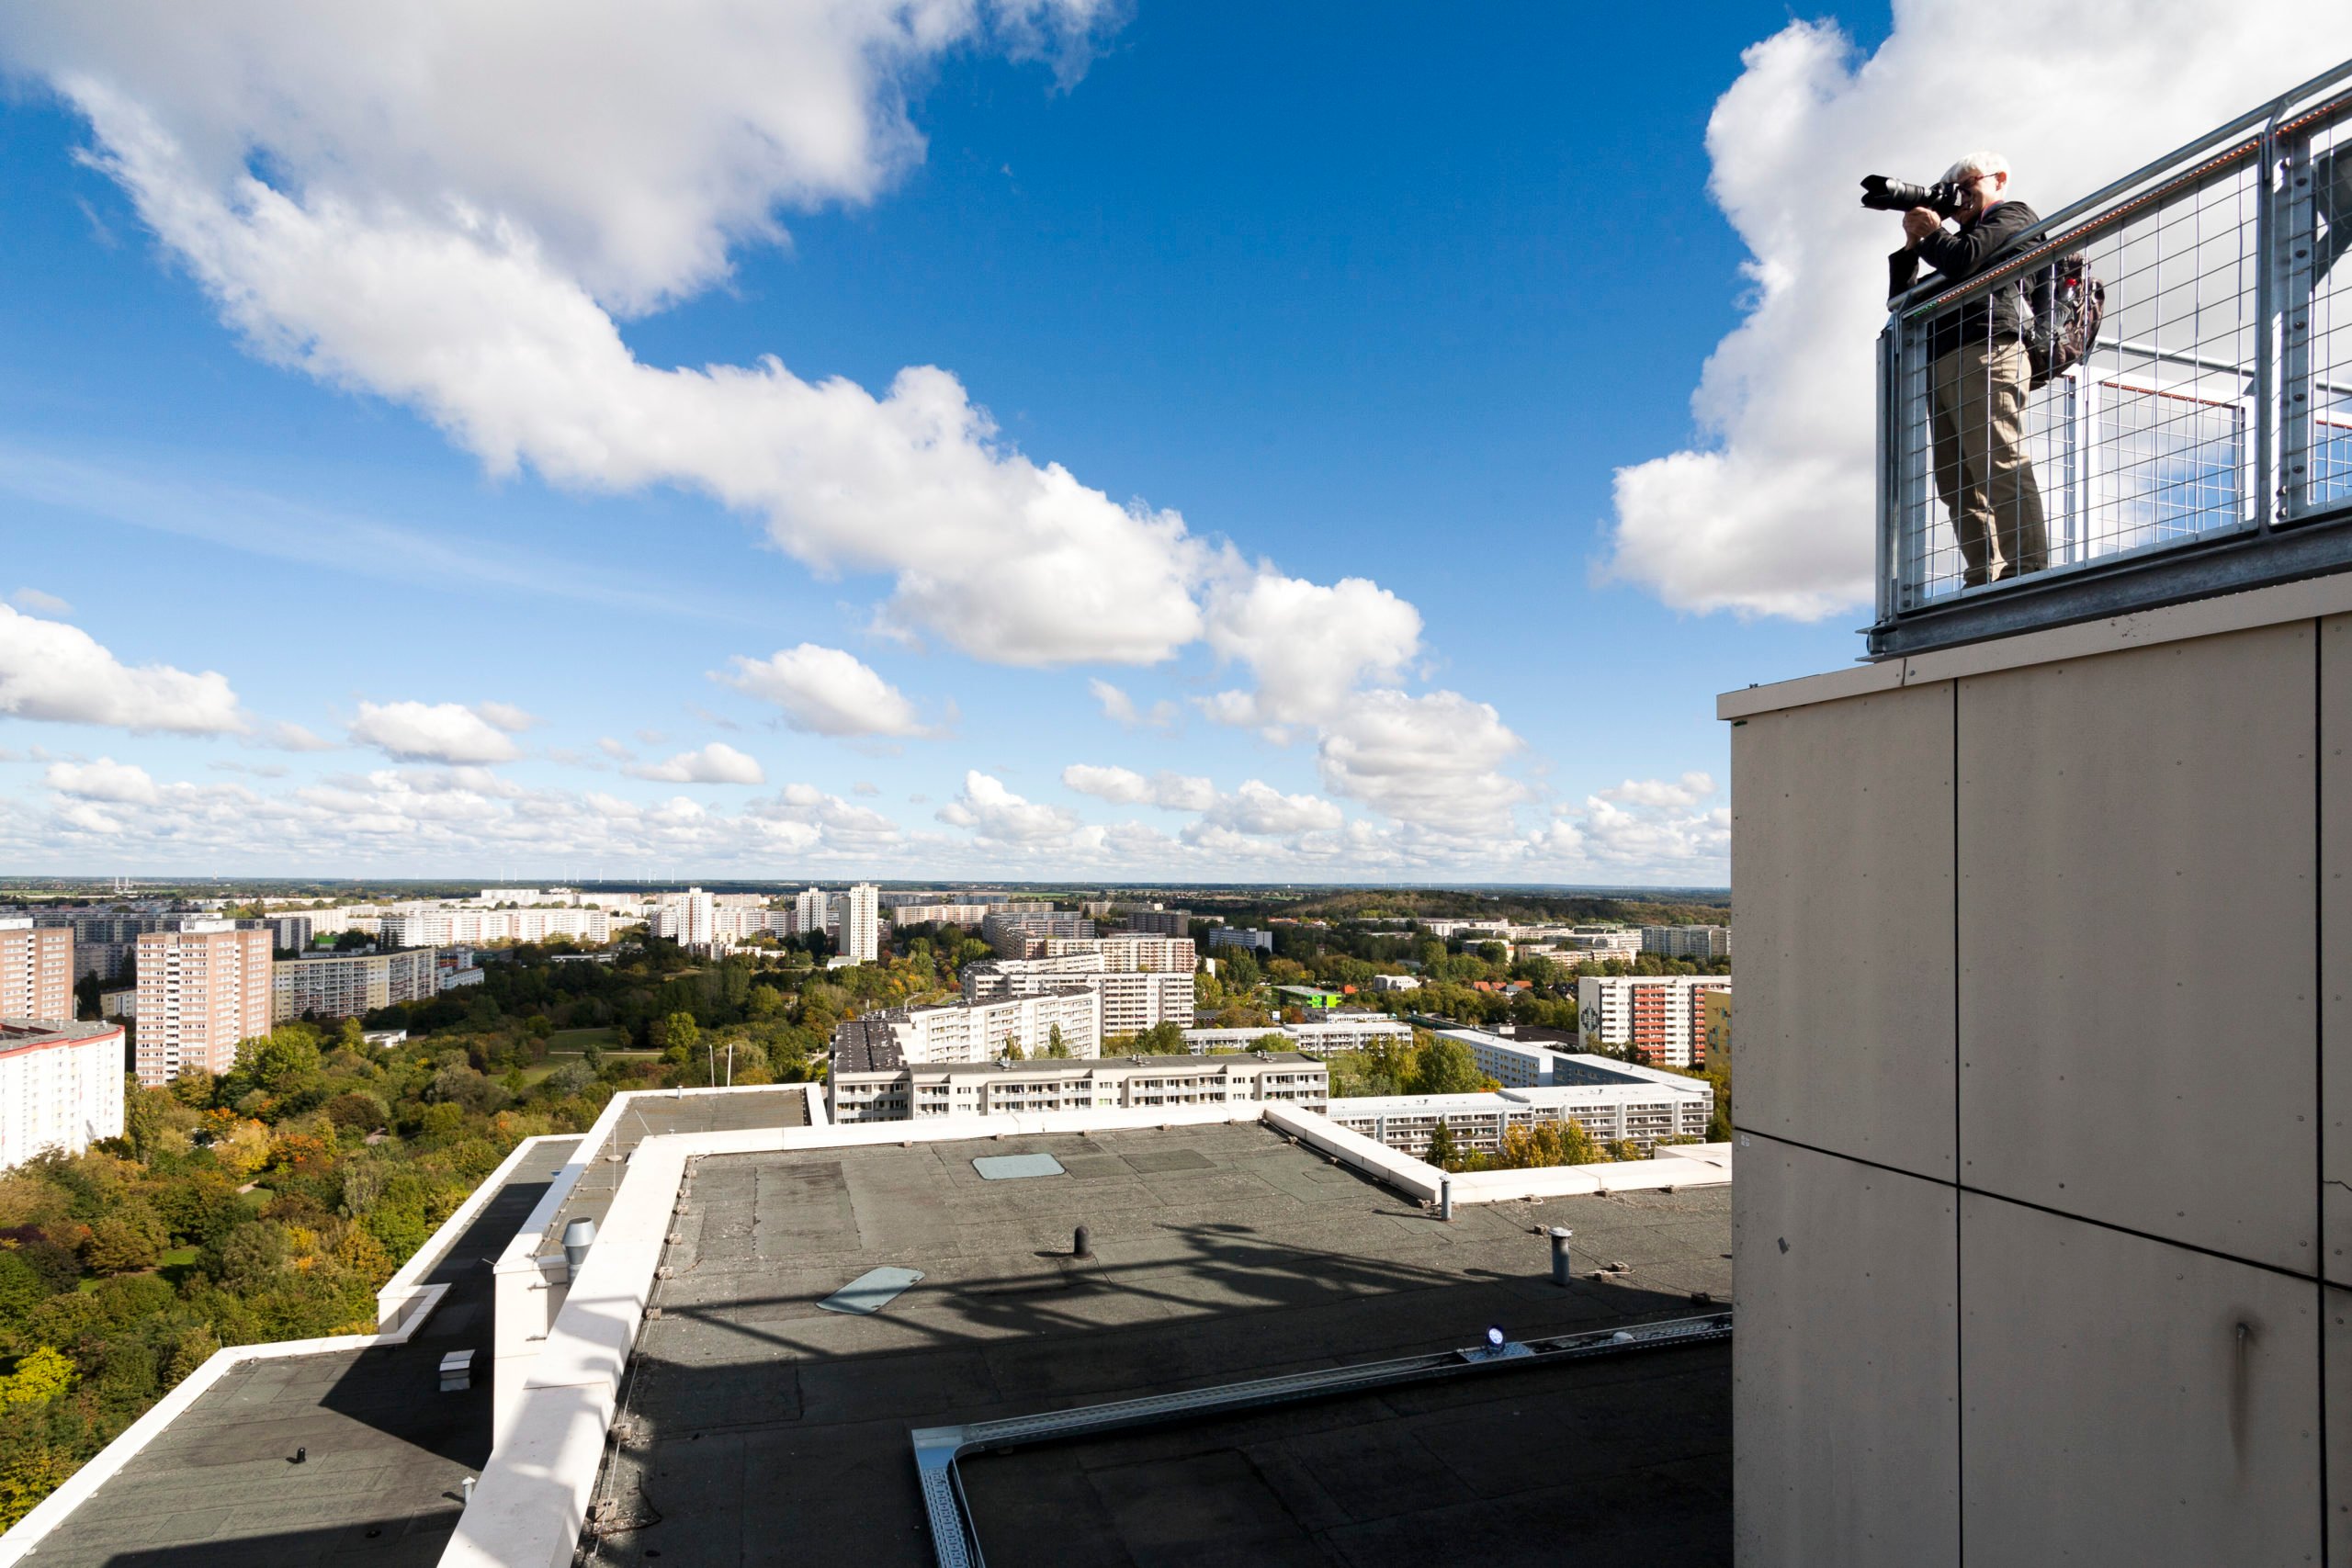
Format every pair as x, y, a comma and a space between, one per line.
2336, 946
1845, 1387
1841, 876
2335, 1350
2129, 1400
2137, 1015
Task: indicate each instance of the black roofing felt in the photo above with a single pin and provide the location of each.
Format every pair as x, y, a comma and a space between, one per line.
385, 1448
758, 1429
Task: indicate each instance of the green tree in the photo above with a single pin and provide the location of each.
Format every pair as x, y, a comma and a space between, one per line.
1442, 1151
1053, 1045
1445, 1066
37, 1379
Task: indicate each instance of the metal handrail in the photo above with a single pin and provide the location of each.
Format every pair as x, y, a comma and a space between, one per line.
1922, 298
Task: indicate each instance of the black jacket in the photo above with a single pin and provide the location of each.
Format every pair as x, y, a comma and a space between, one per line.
1957, 258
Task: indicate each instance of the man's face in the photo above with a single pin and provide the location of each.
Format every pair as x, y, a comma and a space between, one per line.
1980, 192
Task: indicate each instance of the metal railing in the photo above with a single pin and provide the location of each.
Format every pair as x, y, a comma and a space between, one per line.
2204, 445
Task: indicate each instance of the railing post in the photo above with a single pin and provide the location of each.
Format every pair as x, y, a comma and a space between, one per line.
1884, 552
2292, 240
2267, 292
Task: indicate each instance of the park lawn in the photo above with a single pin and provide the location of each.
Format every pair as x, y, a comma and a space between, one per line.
571, 1042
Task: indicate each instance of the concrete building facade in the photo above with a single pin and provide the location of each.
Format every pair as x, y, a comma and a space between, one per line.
61, 1087
1699, 944
983, 1030
35, 969
202, 989
861, 924
2044, 1213
1614, 1102
347, 984
1656, 1016
870, 1092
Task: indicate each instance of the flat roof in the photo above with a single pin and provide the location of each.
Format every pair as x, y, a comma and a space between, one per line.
386, 1450
750, 1417
1183, 1062
39, 1033
652, 1115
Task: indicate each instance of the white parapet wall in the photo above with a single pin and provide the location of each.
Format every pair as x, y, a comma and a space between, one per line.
530, 1278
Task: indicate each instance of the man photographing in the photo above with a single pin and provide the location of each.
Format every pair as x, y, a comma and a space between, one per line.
1979, 373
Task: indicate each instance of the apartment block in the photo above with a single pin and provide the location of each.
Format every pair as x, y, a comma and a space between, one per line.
1656, 1016
1617, 1104
1699, 944
939, 914
61, 1087
347, 984
1241, 937
1023, 930
424, 926
983, 1030
1347, 1032
1133, 999
202, 989
1157, 921
861, 924
35, 969
1128, 950
867, 1085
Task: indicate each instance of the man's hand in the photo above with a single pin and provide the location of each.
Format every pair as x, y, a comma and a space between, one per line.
1920, 222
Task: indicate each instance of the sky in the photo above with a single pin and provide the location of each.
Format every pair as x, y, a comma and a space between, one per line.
963, 438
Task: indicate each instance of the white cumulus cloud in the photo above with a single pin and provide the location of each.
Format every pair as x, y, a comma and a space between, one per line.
1123, 786
824, 691
994, 815
104, 779
1259, 808
54, 672
431, 732
1770, 513
39, 603
715, 763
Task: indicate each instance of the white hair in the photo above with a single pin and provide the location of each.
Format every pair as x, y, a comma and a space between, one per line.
1975, 166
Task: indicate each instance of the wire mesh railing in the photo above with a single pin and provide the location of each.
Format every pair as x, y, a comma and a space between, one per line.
2214, 405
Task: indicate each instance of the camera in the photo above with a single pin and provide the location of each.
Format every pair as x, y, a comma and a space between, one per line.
1880, 194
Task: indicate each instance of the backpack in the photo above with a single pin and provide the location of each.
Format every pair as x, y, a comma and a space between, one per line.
2069, 304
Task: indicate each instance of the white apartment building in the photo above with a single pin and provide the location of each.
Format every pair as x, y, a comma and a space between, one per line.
983, 1030
863, 1090
1350, 1031
1659, 1016
449, 926
61, 1087
939, 914
1508, 1062
1133, 999
1699, 943
1621, 1103
811, 911
1130, 950
202, 989
1241, 937
1021, 931
35, 969
688, 919
1395, 982
347, 984
861, 924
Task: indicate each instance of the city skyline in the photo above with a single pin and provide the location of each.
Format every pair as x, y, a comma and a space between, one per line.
1177, 463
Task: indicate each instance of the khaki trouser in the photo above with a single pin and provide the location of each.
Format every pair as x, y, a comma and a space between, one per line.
1982, 471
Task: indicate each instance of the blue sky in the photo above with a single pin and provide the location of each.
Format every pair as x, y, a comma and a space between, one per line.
1359, 292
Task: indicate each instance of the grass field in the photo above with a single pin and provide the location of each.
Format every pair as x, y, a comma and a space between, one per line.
574, 1040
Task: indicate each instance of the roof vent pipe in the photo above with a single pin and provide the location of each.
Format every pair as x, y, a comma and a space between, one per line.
1560, 1235
1082, 1245
1445, 1197
578, 1237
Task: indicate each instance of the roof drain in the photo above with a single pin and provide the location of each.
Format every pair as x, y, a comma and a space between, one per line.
955, 1539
